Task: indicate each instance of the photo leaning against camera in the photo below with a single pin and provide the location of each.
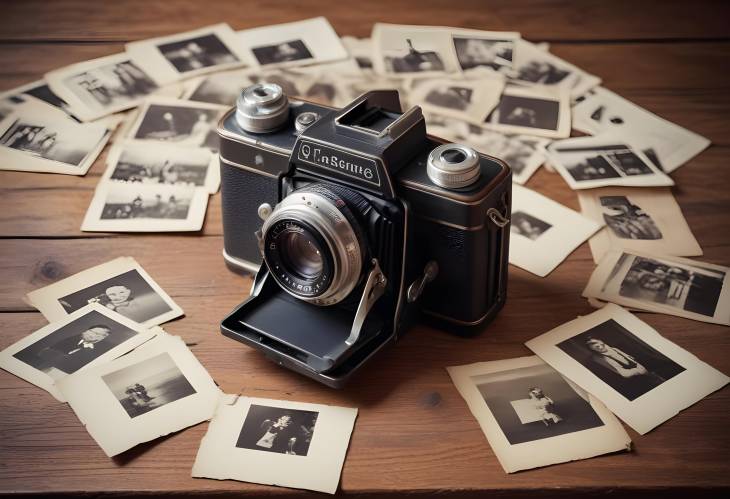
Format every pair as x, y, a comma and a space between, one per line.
356, 223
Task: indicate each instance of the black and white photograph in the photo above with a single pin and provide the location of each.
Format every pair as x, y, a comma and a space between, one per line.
139, 162
641, 376
361, 49
533, 65
148, 385
299, 43
39, 90
40, 138
219, 88
532, 111
544, 232
87, 337
290, 50
532, 416
527, 226
641, 219
157, 389
273, 429
253, 440
178, 122
102, 86
120, 285
470, 99
144, 207
667, 144
193, 53
588, 162
620, 359
671, 285
483, 52
412, 50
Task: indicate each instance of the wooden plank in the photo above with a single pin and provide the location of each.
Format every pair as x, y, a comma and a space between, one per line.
547, 20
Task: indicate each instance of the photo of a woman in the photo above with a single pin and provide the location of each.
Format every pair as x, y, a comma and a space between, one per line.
545, 406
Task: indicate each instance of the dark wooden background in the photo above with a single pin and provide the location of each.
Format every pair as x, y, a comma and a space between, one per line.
414, 433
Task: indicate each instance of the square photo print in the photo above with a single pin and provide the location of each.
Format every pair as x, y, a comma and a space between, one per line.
253, 440
534, 417
642, 377
121, 285
89, 336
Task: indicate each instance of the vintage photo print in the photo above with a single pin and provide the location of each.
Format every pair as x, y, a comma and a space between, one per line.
668, 145
544, 112
543, 232
183, 55
36, 137
89, 336
312, 41
588, 162
360, 49
670, 285
253, 440
470, 100
120, 285
484, 49
534, 65
141, 162
534, 417
404, 51
641, 376
36, 90
178, 122
647, 220
102, 86
157, 389
219, 88
141, 207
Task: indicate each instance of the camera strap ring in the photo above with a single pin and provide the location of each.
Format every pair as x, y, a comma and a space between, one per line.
496, 217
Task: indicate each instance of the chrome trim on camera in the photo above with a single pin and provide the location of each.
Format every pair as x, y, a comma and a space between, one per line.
342, 242
247, 168
242, 264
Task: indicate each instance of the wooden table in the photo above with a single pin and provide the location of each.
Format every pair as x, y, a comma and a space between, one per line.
414, 433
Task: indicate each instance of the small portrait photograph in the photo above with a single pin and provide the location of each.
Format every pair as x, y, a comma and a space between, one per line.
668, 146
627, 220
470, 100
651, 280
527, 226
297, 43
638, 374
273, 429
148, 385
88, 336
533, 111
197, 53
253, 440
544, 232
146, 207
220, 88
620, 359
671, 285
128, 294
135, 162
532, 416
290, 50
182, 123
587, 162
409, 50
642, 219
483, 52
120, 285
156, 389
32, 139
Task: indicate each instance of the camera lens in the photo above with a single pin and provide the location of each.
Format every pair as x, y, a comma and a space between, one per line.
314, 245
302, 255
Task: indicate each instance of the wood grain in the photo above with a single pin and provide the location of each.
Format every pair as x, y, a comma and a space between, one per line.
414, 434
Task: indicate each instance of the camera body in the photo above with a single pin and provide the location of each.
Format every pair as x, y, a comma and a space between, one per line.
365, 224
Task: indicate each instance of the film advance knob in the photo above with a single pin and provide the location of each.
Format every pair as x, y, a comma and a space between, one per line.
452, 166
262, 108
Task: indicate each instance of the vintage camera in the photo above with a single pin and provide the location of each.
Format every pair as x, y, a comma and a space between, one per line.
364, 223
